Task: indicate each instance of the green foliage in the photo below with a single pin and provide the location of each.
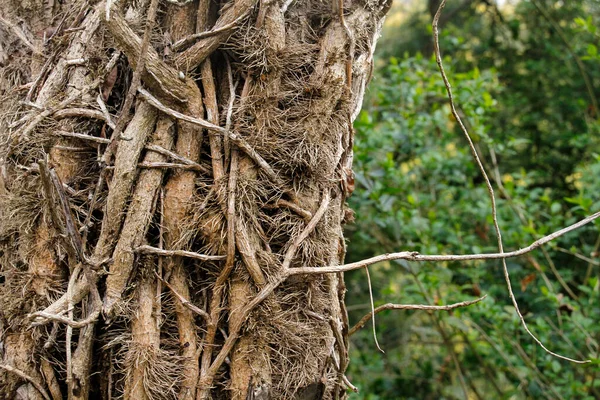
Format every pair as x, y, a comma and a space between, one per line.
527, 108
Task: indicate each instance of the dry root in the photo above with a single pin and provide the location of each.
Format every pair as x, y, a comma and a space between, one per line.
183, 220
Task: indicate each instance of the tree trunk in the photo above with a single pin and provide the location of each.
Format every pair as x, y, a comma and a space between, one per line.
163, 167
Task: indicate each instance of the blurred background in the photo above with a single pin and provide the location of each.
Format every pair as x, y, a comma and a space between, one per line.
526, 78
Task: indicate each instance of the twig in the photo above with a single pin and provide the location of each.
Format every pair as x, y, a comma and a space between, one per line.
175, 157
232, 88
145, 249
343, 361
69, 333
159, 263
74, 239
391, 306
23, 375
350, 56
291, 252
185, 167
415, 256
180, 44
281, 203
212, 114
238, 140
105, 112
41, 75
48, 192
76, 61
153, 101
87, 224
82, 136
349, 384
186, 302
81, 112
438, 57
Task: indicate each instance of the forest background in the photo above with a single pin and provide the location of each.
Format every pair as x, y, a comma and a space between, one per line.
526, 80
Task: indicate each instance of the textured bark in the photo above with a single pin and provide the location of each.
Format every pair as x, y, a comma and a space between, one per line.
99, 298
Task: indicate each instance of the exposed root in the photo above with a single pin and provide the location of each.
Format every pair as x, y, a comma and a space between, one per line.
195, 298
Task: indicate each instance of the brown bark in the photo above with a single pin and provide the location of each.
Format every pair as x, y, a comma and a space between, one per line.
184, 245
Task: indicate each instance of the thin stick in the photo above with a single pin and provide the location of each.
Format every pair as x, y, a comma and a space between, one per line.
232, 88
238, 140
23, 375
185, 167
153, 101
281, 203
291, 252
145, 249
186, 302
438, 58
159, 263
67, 321
180, 44
151, 147
391, 306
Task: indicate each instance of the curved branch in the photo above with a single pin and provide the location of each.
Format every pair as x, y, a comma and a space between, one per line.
391, 306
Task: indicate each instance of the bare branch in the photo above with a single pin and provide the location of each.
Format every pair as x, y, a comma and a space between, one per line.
415, 256
177, 253
153, 101
391, 306
194, 56
238, 140
186, 302
291, 252
188, 40
372, 310
438, 58
186, 167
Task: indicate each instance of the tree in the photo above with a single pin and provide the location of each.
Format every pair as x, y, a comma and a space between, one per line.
164, 170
